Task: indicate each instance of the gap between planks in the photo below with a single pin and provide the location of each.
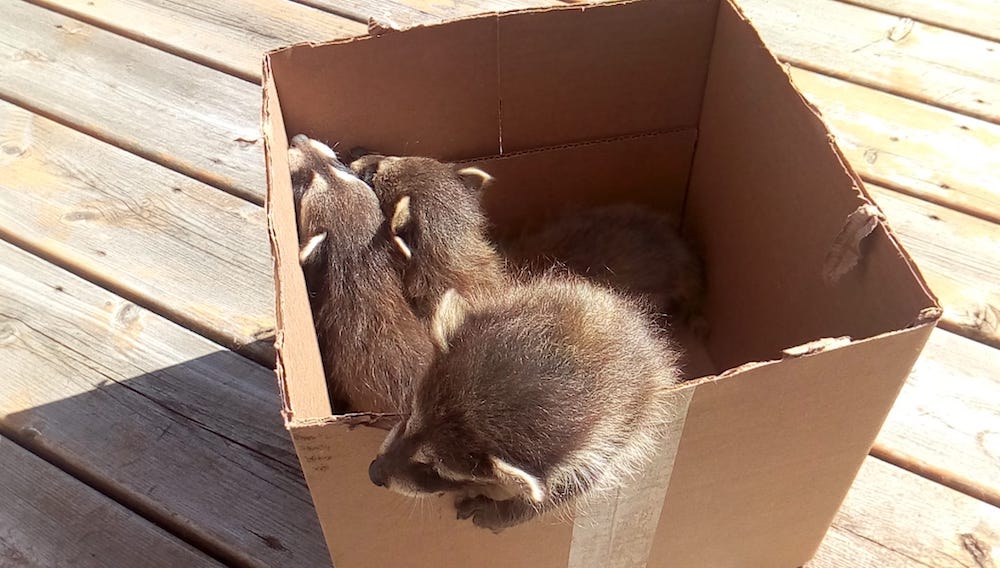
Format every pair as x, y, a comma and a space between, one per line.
51, 519
153, 416
227, 35
979, 18
102, 486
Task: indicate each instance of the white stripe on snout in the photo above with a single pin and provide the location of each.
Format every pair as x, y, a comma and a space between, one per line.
344, 176
323, 149
618, 531
310, 247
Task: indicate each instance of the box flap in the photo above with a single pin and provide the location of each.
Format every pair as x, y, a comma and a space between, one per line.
295, 343
441, 102
769, 452
769, 197
598, 71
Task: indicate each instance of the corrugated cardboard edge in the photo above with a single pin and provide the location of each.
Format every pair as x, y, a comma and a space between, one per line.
314, 402
863, 193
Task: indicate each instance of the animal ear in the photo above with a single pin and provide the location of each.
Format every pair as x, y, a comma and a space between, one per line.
516, 478
309, 249
398, 223
448, 317
474, 178
400, 215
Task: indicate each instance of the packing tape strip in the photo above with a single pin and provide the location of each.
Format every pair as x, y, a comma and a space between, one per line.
618, 531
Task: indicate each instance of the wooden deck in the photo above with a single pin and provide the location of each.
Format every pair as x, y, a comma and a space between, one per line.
138, 412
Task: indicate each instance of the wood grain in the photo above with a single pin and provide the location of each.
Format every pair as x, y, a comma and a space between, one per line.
894, 519
411, 12
957, 255
976, 17
185, 116
228, 35
177, 246
947, 414
897, 55
919, 149
49, 519
162, 420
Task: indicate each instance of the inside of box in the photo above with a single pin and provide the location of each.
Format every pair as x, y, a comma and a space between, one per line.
670, 103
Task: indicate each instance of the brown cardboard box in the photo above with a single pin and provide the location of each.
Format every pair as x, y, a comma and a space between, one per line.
678, 105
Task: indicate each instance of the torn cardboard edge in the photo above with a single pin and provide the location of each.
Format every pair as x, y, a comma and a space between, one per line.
776, 478
383, 421
827, 130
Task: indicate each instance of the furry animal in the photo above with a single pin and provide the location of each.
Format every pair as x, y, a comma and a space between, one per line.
372, 344
626, 247
437, 224
540, 393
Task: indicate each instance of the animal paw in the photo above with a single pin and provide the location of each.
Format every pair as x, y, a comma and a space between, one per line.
489, 514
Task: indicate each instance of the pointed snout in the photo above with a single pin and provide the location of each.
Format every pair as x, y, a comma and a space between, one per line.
376, 474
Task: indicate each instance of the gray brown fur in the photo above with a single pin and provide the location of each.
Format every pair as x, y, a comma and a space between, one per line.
372, 344
627, 247
445, 228
541, 393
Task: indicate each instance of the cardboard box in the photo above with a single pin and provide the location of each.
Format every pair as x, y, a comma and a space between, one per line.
676, 104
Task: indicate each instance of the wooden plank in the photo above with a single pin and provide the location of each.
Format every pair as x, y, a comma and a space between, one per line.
957, 255
975, 17
918, 61
158, 418
410, 12
50, 519
186, 250
947, 415
172, 111
894, 519
925, 151
229, 35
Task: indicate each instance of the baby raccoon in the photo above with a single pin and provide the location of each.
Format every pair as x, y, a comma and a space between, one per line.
540, 393
372, 344
437, 224
626, 247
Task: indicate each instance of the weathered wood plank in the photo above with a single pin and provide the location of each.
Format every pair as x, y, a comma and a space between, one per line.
958, 256
159, 418
976, 17
918, 61
410, 12
186, 250
229, 35
925, 151
48, 519
948, 413
185, 116
894, 519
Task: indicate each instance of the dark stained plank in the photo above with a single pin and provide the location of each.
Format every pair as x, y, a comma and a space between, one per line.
948, 415
185, 116
894, 519
157, 417
976, 17
48, 519
958, 256
934, 154
897, 55
186, 250
229, 35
